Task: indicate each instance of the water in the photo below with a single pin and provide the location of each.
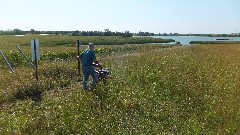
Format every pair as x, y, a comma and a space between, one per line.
186, 39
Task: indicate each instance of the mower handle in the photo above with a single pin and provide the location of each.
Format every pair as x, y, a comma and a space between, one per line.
96, 64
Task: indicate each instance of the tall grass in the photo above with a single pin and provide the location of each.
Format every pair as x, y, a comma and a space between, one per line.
182, 90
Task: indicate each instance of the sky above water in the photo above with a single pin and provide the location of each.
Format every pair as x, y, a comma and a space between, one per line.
157, 16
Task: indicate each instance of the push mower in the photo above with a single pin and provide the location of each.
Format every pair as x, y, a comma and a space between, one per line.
102, 73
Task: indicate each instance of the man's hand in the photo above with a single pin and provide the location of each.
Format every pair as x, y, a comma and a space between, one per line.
96, 64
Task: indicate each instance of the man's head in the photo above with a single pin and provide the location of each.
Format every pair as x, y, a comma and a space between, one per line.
91, 46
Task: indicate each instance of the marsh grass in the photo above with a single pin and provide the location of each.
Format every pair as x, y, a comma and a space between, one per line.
180, 90
8, 42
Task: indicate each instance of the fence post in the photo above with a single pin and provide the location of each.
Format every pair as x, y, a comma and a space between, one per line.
78, 53
29, 62
35, 53
10, 67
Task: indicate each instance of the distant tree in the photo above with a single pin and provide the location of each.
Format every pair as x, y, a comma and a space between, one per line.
126, 34
74, 33
32, 31
17, 32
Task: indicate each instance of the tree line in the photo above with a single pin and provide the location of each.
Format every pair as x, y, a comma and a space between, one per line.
75, 33
107, 33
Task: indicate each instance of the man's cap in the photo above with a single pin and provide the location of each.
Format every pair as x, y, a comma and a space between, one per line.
90, 45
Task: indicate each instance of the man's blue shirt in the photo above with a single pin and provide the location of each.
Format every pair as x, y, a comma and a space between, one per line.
87, 57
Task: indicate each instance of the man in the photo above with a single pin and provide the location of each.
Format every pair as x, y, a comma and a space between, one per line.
88, 57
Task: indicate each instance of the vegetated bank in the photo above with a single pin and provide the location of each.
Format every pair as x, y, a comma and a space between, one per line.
9, 42
181, 90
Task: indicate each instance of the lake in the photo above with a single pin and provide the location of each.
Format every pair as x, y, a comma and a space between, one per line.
186, 39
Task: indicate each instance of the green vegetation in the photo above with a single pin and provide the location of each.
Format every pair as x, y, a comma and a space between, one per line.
8, 42
155, 89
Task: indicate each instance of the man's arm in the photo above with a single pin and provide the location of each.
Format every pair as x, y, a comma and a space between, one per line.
80, 56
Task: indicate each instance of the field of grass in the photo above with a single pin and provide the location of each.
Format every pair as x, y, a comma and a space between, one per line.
155, 89
7, 42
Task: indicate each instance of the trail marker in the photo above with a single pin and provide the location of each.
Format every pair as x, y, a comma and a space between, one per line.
35, 49
35, 53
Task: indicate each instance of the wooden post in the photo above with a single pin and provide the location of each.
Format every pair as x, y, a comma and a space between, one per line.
35, 60
78, 53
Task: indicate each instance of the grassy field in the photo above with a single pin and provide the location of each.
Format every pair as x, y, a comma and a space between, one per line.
8, 42
155, 89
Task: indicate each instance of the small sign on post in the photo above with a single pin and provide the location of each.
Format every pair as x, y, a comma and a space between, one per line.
35, 53
35, 49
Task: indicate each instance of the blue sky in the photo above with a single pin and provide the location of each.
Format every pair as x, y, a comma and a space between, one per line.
158, 16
